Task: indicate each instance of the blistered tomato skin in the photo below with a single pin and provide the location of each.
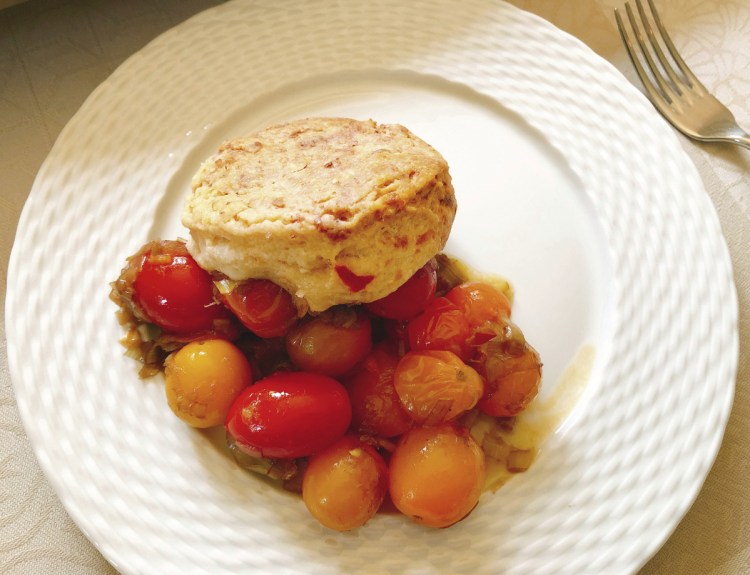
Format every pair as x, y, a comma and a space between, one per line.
442, 326
513, 381
436, 474
203, 378
436, 386
411, 298
289, 415
175, 294
344, 484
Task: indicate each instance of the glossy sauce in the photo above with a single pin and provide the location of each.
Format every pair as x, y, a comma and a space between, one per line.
518, 440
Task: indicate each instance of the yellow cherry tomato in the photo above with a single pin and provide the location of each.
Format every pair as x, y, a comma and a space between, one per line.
202, 380
436, 474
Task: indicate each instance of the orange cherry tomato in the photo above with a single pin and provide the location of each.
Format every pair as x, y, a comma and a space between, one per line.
376, 408
331, 343
512, 380
344, 484
436, 474
480, 302
436, 386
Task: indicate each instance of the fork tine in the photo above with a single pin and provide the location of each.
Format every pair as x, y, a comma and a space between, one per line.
667, 90
686, 71
655, 46
659, 94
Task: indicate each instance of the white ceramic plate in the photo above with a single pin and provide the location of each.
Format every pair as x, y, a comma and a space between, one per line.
568, 183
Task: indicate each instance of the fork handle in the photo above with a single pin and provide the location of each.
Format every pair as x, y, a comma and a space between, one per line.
742, 140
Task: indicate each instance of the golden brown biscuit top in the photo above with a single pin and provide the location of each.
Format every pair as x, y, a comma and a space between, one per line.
323, 172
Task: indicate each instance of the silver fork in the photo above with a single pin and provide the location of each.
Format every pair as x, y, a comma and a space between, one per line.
672, 87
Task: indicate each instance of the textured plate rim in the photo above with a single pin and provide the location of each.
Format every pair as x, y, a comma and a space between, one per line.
21, 373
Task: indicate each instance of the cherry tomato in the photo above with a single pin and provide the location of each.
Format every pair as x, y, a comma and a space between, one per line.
202, 380
174, 293
263, 307
436, 386
344, 484
376, 408
480, 302
289, 415
411, 298
512, 380
442, 326
436, 474
331, 343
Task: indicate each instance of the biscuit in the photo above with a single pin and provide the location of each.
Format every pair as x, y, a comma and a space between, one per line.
334, 210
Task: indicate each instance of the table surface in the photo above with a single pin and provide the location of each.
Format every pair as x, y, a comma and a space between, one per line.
53, 53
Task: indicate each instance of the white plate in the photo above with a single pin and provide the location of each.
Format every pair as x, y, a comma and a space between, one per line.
568, 183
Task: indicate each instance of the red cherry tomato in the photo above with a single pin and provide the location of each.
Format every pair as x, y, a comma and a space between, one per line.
174, 293
263, 307
480, 302
411, 298
376, 407
331, 343
443, 327
289, 415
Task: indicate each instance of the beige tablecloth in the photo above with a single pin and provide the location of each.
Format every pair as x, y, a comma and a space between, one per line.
53, 53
